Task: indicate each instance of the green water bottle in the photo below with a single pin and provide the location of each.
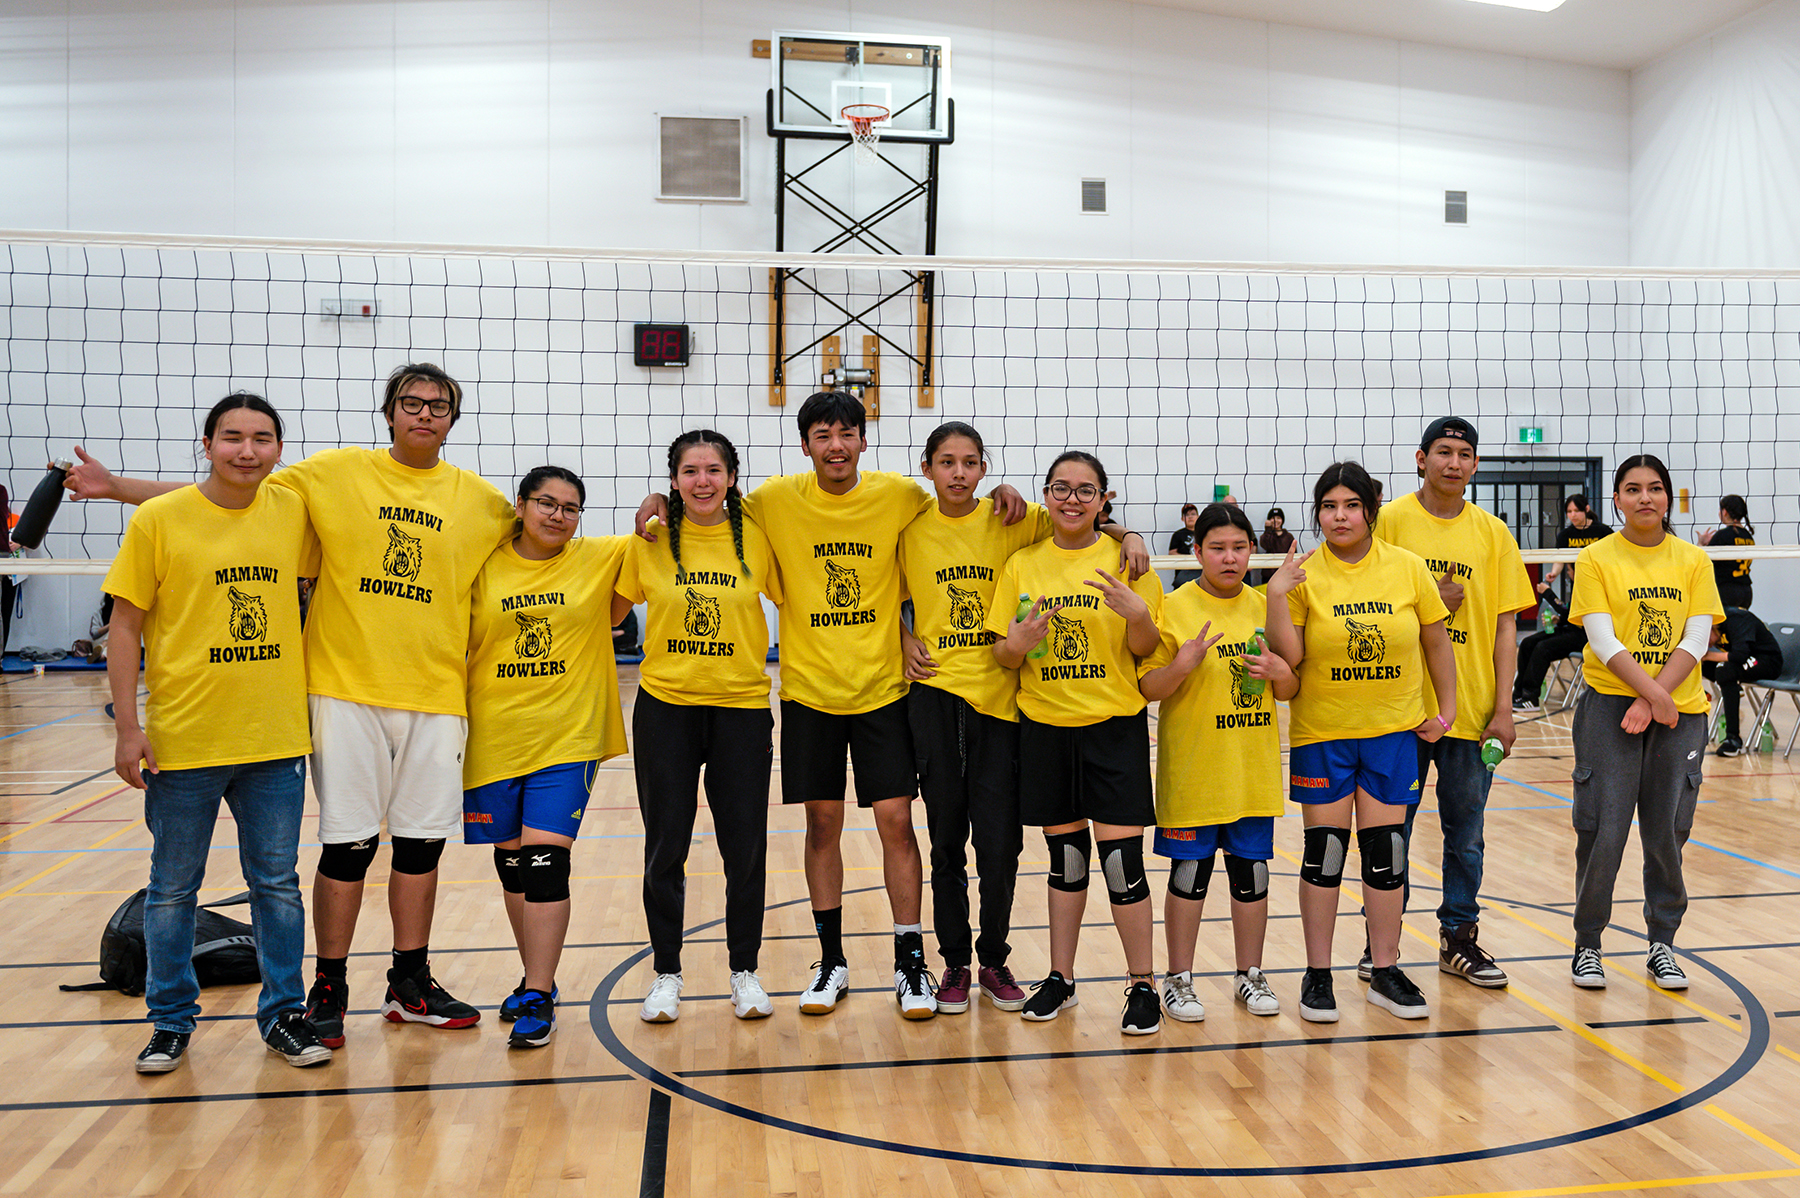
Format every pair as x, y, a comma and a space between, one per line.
1254, 647
1492, 753
1043, 646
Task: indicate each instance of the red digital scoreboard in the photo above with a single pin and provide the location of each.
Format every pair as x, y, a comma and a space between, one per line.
660, 344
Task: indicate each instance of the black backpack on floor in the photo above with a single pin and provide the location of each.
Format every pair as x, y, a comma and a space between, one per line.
224, 948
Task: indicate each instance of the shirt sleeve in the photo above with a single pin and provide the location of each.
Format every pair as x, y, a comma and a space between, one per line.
133, 575
1705, 590
1296, 601
1590, 588
630, 584
1431, 605
1006, 601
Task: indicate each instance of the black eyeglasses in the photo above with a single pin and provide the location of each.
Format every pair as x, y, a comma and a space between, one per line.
412, 405
1086, 492
570, 511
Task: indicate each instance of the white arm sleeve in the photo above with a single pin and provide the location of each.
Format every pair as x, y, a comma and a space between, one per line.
1601, 638
1695, 635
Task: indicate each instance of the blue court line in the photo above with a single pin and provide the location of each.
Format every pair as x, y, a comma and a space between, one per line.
46, 724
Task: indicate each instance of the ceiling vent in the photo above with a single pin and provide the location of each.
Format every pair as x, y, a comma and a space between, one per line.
1093, 196
1456, 207
702, 159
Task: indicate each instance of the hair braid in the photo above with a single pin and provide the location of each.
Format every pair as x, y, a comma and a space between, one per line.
675, 506
734, 507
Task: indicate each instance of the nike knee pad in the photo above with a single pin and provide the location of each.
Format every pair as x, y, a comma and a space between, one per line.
1322, 860
415, 856
348, 862
1069, 859
1383, 856
1188, 879
1122, 862
1249, 880
544, 869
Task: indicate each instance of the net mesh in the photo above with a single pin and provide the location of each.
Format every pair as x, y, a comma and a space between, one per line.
1179, 378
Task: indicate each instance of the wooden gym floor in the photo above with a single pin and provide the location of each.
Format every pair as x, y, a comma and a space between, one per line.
1537, 1089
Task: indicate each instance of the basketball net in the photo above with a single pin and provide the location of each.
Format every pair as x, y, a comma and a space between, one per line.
865, 120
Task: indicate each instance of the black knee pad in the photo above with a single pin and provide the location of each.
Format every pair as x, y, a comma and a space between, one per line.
1069, 859
1249, 880
1188, 879
414, 856
348, 862
1122, 863
544, 869
1383, 856
506, 864
1322, 860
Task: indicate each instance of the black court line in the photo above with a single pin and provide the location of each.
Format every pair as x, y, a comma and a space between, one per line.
1111, 1053
653, 1174
82, 1104
44, 794
1668, 1021
1702, 898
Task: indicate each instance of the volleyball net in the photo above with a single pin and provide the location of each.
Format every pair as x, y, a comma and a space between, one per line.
1187, 380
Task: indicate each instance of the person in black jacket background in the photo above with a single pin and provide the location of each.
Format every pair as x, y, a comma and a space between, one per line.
1742, 650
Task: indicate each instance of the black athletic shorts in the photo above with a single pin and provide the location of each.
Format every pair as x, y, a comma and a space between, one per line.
1100, 772
812, 754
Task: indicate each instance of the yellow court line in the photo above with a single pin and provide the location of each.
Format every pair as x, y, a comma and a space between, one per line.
76, 806
75, 856
1614, 1187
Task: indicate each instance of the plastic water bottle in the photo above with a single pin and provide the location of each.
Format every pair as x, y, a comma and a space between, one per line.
1043, 646
1492, 753
1254, 647
1546, 617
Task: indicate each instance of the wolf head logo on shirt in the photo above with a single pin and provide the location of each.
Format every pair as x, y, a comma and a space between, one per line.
1655, 629
965, 608
1240, 674
405, 555
1366, 642
1068, 639
534, 635
249, 622
842, 587
702, 618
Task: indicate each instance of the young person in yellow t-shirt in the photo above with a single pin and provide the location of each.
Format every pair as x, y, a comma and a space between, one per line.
835, 533
208, 576
1364, 626
1084, 739
543, 714
403, 534
1218, 758
1482, 580
1648, 601
703, 701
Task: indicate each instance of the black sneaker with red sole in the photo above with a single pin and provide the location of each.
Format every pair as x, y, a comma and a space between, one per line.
421, 1000
325, 1009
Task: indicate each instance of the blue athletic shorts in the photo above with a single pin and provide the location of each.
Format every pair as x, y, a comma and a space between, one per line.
550, 800
1387, 767
1252, 838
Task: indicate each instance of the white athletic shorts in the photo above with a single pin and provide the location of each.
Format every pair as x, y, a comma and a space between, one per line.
371, 764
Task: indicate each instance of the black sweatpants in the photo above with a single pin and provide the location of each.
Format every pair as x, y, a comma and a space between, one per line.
670, 742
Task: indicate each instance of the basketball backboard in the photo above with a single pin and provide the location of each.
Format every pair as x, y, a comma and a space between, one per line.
817, 74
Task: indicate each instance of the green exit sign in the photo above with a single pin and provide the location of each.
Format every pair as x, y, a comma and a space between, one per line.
1531, 436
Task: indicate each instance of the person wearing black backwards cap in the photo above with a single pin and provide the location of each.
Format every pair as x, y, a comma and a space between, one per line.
1482, 580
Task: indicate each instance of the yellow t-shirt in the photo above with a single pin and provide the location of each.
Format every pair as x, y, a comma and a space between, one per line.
1481, 551
1218, 750
543, 685
1089, 674
1364, 673
390, 618
220, 592
1650, 594
840, 580
951, 564
706, 642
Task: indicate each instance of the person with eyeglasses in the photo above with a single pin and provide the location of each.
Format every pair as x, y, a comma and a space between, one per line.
403, 535
543, 714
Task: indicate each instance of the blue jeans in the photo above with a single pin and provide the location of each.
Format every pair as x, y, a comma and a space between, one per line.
1462, 795
182, 808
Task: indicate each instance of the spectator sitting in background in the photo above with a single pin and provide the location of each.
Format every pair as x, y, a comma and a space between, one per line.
1181, 543
1275, 539
1742, 650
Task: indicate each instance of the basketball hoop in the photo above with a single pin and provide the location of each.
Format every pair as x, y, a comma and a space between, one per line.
863, 120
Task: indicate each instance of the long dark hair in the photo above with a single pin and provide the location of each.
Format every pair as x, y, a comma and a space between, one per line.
1352, 476
734, 505
1647, 461
256, 403
1735, 508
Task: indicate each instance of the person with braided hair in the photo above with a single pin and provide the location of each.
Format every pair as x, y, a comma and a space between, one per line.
703, 701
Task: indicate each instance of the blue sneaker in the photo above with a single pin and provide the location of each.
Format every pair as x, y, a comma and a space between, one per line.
535, 1021
512, 1004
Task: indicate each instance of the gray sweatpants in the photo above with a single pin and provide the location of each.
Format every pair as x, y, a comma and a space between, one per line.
1655, 776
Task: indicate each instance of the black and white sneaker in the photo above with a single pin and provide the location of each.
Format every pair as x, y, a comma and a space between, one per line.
420, 999
1143, 1010
1317, 1002
914, 990
296, 1041
1522, 703
1393, 991
163, 1053
1458, 953
1664, 970
1049, 998
325, 1005
1586, 971
831, 981
1731, 746
1365, 964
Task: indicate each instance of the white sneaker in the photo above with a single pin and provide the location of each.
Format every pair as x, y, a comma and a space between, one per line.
1253, 990
663, 1003
748, 998
1178, 997
830, 983
915, 991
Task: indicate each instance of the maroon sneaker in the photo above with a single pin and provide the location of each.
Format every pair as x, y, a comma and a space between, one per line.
953, 990
1001, 990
